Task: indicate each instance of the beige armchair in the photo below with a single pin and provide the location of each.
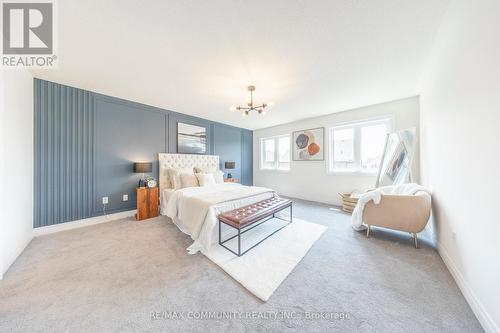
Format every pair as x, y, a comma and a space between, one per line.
399, 212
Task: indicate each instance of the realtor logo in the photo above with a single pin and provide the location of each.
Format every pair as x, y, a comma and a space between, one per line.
28, 34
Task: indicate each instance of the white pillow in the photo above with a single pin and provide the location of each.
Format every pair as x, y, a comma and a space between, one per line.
205, 179
219, 177
174, 175
188, 180
205, 169
218, 174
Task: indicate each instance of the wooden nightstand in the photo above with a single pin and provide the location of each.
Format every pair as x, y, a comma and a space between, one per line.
147, 203
231, 180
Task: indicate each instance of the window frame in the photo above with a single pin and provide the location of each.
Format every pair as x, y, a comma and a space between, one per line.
276, 153
356, 125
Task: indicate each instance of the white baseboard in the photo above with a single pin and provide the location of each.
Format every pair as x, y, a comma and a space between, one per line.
295, 196
4, 270
482, 315
50, 229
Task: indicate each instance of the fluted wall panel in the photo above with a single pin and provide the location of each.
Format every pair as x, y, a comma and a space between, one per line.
64, 153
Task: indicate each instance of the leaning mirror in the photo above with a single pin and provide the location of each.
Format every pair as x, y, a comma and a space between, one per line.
395, 168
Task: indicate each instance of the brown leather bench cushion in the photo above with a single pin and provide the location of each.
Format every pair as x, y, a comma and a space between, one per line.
246, 215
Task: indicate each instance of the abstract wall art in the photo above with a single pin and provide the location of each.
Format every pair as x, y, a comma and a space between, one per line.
308, 145
191, 139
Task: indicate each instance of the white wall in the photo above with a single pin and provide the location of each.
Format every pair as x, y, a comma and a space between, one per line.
2, 162
460, 119
16, 172
309, 179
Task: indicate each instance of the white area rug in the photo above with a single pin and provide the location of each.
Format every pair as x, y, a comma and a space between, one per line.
265, 267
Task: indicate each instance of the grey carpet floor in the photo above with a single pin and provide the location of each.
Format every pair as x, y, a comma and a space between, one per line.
116, 276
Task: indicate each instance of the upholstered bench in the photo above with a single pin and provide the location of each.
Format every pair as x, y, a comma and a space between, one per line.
246, 218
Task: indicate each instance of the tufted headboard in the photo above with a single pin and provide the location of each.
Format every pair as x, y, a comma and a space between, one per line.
167, 161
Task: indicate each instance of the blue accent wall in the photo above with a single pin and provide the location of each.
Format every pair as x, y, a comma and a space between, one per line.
247, 157
85, 144
225, 138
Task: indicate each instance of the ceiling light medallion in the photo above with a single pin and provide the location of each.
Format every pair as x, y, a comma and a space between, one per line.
250, 106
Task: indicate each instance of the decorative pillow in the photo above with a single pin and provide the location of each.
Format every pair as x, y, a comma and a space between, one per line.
188, 180
205, 179
219, 177
174, 175
205, 169
218, 174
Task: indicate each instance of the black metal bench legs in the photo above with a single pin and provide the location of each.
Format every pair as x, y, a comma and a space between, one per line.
243, 230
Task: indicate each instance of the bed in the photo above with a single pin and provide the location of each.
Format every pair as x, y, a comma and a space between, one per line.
194, 209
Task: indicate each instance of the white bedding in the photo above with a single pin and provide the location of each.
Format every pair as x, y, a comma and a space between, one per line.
164, 197
194, 209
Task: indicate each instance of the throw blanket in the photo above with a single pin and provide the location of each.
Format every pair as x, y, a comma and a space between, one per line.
376, 196
196, 207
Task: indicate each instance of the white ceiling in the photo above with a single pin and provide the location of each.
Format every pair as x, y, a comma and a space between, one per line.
197, 57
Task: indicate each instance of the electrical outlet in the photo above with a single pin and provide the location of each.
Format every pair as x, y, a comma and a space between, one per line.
125, 197
105, 200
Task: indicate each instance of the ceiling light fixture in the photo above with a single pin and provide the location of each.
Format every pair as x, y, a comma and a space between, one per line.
250, 106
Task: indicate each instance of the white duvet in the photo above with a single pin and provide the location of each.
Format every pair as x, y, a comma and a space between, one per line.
194, 209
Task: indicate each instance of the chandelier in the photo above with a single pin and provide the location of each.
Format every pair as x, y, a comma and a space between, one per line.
250, 106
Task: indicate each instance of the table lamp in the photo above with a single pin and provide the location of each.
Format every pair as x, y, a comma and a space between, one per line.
229, 165
142, 167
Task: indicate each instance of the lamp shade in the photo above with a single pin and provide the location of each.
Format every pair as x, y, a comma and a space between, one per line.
143, 167
229, 165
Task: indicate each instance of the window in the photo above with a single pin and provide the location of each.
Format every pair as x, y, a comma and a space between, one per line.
275, 153
343, 141
358, 147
